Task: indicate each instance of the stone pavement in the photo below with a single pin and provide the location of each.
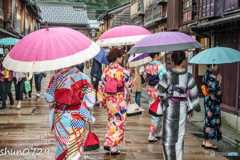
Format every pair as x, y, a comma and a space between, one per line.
27, 130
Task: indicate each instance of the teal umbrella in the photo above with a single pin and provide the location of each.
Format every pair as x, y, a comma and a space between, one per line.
9, 41
216, 55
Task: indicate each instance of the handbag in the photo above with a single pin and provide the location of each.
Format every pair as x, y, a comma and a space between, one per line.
133, 109
205, 90
156, 109
91, 142
111, 86
27, 86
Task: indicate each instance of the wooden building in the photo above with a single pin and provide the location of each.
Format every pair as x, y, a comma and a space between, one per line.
69, 14
18, 18
150, 14
116, 16
213, 23
220, 23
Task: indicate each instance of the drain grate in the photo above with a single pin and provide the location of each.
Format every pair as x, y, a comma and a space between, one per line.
33, 110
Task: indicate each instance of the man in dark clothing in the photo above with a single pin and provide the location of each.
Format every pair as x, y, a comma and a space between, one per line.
6, 77
96, 73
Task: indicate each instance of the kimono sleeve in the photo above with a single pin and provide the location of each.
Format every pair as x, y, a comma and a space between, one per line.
101, 96
162, 69
162, 91
193, 99
50, 91
162, 88
89, 97
127, 80
145, 72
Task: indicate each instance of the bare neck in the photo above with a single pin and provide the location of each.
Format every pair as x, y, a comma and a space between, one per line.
179, 68
114, 63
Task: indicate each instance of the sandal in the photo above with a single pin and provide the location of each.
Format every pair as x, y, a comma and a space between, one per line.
107, 148
153, 140
211, 147
115, 153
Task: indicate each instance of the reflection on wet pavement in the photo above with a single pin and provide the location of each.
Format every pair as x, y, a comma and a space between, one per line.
22, 130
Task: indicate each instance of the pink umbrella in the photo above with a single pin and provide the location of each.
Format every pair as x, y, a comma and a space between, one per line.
122, 35
50, 49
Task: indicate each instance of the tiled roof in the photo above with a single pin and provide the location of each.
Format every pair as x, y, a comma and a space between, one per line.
63, 12
93, 24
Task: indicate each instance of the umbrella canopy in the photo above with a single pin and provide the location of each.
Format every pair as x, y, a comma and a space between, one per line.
216, 55
165, 41
9, 41
121, 35
50, 49
139, 59
1, 50
101, 57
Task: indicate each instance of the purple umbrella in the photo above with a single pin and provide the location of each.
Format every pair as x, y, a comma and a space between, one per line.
165, 41
139, 59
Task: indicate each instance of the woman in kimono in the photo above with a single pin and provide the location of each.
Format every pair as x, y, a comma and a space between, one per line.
154, 68
71, 96
179, 97
212, 99
116, 102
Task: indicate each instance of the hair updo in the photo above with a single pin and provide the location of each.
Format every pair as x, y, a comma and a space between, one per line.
152, 55
178, 57
114, 54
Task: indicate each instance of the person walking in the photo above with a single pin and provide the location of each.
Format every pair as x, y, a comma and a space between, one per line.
115, 97
38, 82
96, 72
179, 97
19, 80
71, 96
212, 99
87, 69
154, 71
28, 95
6, 77
137, 88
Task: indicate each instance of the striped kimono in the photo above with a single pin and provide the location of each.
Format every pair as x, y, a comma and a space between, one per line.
71, 97
116, 104
175, 112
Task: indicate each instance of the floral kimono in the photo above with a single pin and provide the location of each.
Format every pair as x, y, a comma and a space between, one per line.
116, 104
71, 97
212, 123
154, 68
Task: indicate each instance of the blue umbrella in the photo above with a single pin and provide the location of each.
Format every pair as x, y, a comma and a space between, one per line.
9, 41
1, 50
216, 55
101, 57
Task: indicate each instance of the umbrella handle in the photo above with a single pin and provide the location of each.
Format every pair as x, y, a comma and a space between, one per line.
46, 25
31, 70
90, 128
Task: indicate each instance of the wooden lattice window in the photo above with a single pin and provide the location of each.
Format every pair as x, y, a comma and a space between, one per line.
187, 4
